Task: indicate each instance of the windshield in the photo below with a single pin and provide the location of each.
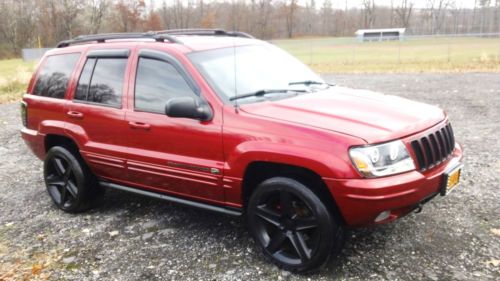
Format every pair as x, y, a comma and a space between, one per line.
258, 68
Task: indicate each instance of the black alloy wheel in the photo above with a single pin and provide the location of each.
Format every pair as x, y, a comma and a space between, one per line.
292, 225
69, 182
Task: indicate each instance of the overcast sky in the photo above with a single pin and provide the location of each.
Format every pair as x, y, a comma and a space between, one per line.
418, 3
340, 4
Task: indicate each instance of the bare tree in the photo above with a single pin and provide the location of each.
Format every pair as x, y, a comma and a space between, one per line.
24, 23
496, 19
327, 22
369, 13
484, 4
18, 23
404, 13
69, 10
290, 8
96, 11
261, 11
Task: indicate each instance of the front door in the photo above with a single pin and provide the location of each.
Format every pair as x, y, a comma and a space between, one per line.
178, 155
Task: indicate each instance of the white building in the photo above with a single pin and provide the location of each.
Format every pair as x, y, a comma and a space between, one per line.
382, 34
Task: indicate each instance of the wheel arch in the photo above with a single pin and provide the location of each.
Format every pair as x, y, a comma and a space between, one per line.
258, 171
52, 140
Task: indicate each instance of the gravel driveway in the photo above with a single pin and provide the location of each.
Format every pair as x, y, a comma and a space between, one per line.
133, 238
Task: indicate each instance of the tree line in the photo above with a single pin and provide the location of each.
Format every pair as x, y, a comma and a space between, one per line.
34, 23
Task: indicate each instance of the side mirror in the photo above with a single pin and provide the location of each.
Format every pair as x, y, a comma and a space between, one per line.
188, 107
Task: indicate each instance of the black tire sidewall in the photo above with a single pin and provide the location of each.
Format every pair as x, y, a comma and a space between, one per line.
328, 225
79, 174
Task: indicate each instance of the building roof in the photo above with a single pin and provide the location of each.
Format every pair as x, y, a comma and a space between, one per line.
377, 30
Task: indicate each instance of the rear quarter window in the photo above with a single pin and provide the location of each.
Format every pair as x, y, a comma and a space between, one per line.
54, 75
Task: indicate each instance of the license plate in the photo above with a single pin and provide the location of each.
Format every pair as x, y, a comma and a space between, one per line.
452, 179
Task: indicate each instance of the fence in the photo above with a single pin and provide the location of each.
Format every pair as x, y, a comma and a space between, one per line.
461, 51
414, 53
34, 54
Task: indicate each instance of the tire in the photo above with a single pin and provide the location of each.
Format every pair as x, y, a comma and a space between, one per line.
292, 225
70, 183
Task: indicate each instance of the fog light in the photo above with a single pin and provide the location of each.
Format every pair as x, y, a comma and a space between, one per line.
382, 216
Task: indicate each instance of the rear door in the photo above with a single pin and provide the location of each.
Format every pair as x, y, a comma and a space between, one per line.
96, 115
178, 155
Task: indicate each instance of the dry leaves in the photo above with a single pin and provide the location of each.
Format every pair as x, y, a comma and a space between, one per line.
493, 262
495, 231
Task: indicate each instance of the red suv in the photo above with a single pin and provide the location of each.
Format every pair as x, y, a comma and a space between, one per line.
224, 122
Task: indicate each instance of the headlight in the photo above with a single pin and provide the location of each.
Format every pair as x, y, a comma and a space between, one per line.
382, 159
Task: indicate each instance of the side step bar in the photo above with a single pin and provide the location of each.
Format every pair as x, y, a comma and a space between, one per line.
227, 211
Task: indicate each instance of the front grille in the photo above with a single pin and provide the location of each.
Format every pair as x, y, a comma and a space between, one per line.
434, 148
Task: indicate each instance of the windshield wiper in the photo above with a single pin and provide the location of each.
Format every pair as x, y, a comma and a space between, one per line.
260, 93
308, 83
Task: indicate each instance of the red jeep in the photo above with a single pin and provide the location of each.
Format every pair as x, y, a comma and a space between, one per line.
224, 122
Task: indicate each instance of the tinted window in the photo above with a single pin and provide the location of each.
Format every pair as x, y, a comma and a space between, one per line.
84, 81
105, 77
156, 83
54, 75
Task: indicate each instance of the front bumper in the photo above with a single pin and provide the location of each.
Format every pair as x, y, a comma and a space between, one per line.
361, 200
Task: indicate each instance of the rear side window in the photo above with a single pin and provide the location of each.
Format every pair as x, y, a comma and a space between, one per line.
55, 74
156, 82
101, 81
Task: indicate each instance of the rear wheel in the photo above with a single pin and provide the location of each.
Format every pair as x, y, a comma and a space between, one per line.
69, 182
295, 229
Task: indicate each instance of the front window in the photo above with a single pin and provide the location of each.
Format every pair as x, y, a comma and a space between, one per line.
156, 83
253, 68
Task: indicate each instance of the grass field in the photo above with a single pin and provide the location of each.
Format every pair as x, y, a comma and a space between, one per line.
437, 54
14, 77
343, 55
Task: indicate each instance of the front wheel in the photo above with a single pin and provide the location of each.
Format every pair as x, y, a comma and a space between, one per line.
295, 229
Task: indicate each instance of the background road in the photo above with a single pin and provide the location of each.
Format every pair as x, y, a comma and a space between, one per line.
133, 238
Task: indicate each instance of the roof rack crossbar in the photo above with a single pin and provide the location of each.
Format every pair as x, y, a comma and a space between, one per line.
101, 38
205, 31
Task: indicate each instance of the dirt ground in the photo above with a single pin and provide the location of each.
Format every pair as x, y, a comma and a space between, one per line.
456, 237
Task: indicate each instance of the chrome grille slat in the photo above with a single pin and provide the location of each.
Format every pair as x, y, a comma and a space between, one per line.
433, 148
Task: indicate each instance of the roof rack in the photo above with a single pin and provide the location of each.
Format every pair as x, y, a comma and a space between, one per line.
159, 36
101, 38
204, 31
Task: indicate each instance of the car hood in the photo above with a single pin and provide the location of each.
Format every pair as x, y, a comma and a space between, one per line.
371, 116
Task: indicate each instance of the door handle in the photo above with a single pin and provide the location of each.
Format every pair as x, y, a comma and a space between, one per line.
75, 114
139, 125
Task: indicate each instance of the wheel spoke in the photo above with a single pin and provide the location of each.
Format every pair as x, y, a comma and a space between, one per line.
67, 172
286, 203
275, 243
55, 192
59, 166
72, 189
268, 215
64, 195
300, 246
54, 181
305, 223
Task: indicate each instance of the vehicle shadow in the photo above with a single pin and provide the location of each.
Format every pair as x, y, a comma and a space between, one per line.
223, 228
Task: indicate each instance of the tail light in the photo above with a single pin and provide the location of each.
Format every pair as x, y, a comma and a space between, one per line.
24, 113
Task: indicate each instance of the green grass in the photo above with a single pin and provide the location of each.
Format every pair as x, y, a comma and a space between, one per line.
444, 54
14, 78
